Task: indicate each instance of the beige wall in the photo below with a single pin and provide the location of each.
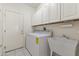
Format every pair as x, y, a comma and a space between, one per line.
72, 32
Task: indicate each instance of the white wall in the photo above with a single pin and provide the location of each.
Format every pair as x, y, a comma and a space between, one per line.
25, 10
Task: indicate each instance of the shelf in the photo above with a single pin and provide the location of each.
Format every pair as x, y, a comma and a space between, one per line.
62, 21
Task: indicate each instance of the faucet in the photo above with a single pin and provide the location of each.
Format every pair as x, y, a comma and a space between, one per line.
65, 36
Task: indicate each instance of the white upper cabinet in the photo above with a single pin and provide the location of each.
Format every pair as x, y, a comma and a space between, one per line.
54, 12
68, 11
45, 13
37, 18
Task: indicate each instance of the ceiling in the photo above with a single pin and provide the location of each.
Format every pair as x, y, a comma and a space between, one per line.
34, 5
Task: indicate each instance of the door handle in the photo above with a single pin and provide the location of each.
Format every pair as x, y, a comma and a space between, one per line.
4, 30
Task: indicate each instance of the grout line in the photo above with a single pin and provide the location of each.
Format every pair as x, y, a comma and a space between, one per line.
29, 52
13, 50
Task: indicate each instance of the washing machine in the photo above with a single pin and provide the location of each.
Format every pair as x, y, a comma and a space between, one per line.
37, 44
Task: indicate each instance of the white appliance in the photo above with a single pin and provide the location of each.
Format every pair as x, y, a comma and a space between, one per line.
37, 44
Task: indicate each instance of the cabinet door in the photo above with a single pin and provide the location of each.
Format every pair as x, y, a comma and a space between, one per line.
36, 20
45, 13
54, 12
68, 11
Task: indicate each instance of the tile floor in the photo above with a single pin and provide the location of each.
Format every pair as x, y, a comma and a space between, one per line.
18, 52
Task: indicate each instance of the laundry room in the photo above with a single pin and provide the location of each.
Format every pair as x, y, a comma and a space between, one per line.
62, 23
39, 29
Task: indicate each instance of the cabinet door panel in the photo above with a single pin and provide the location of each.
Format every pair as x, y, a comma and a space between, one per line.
36, 20
45, 13
54, 11
68, 11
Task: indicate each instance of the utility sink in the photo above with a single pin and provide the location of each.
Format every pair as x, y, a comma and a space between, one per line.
63, 46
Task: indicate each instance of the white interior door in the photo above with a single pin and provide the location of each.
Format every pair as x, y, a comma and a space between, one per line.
1, 24
13, 38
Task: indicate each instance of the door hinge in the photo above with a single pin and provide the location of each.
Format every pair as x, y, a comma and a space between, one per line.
4, 47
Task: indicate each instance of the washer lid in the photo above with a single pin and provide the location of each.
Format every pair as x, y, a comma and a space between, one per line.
40, 34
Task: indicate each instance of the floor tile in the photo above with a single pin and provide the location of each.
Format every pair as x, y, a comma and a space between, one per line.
18, 52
